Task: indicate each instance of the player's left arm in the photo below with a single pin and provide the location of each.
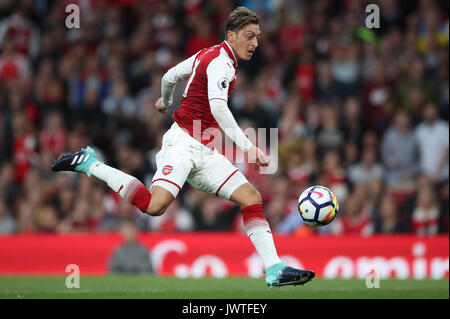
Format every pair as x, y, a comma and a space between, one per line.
219, 77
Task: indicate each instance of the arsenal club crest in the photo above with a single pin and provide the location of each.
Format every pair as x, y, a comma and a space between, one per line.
167, 169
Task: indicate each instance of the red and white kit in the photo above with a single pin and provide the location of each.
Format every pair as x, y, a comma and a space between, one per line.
186, 156
187, 151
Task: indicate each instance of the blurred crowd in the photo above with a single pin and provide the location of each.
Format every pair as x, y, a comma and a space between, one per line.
362, 111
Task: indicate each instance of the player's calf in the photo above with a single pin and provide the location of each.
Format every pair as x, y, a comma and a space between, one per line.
246, 195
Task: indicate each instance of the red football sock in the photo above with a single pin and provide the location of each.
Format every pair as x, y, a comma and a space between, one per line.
258, 230
253, 216
141, 198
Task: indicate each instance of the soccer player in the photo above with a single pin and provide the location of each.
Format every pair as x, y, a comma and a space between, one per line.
186, 155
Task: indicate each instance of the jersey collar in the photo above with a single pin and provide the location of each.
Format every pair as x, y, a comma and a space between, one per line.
230, 52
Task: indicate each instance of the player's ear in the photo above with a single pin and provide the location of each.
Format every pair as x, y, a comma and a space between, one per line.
231, 36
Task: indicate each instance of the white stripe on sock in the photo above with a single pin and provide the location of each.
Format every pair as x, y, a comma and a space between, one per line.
115, 179
255, 223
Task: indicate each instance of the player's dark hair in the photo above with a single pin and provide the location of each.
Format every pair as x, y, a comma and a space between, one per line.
239, 18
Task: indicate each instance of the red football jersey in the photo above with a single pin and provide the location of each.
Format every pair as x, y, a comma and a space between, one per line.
212, 77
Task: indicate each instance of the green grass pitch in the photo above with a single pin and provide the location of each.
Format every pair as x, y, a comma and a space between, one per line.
154, 287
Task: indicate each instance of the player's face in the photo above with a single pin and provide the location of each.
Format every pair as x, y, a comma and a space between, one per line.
245, 42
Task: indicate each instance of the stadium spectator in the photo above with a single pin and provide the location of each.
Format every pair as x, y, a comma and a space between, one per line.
300, 162
345, 68
433, 141
329, 136
414, 86
7, 222
400, 153
21, 30
291, 223
356, 217
131, 257
53, 135
443, 79
254, 111
25, 145
366, 170
25, 219
352, 122
444, 208
119, 103
64, 202
333, 175
388, 219
277, 210
209, 216
46, 218
304, 75
9, 190
14, 67
351, 154
376, 93
49, 90
203, 36
326, 87
426, 215
291, 123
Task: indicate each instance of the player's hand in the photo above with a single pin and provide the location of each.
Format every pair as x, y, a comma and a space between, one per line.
257, 158
159, 106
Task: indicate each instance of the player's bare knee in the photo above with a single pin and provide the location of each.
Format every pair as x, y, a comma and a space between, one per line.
252, 197
246, 195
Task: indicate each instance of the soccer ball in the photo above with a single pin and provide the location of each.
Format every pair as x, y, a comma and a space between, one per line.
318, 206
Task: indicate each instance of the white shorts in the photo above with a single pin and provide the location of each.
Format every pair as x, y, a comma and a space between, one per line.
182, 158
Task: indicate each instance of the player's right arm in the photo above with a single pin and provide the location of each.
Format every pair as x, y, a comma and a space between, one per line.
178, 73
